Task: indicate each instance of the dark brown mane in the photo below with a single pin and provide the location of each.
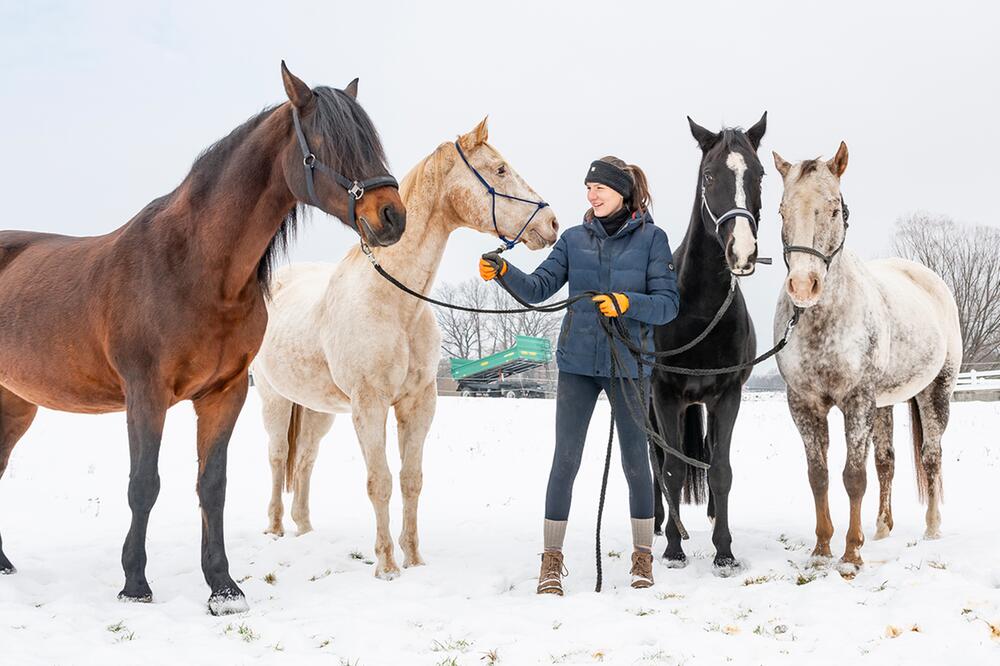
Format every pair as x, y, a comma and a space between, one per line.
808, 167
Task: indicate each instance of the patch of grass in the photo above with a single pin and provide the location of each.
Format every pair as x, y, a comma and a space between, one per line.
270, 578
614, 554
356, 555
787, 542
316, 577
804, 578
935, 564
758, 580
244, 579
347, 662
642, 612
451, 645
243, 631
598, 656
911, 544
658, 656
121, 632
556, 624
369, 562
491, 657
566, 656
882, 587
663, 596
325, 642
450, 661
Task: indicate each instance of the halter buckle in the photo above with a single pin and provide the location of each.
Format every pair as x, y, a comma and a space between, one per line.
309, 160
356, 191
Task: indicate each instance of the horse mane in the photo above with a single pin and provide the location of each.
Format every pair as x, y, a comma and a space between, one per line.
349, 143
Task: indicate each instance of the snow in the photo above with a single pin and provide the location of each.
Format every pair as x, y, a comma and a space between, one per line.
313, 599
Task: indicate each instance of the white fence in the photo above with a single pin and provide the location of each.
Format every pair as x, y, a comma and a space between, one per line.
974, 380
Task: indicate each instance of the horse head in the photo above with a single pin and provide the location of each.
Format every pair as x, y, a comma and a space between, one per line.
488, 195
334, 160
813, 222
729, 190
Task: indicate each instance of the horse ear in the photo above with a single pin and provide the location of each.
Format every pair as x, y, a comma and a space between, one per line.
838, 165
781, 165
477, 137
352, 88
705, 138
756, 133
299, 94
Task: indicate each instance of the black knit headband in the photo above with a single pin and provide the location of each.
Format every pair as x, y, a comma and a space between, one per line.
608, 174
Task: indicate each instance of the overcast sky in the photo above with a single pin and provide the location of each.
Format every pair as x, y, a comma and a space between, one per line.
103, 106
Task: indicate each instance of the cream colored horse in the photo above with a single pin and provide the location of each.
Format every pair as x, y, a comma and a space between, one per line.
871, 334
342, 339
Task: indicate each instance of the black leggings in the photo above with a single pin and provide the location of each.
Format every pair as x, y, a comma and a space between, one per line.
575, 400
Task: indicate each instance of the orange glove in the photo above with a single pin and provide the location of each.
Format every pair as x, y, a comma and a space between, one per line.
607, 308
491, 265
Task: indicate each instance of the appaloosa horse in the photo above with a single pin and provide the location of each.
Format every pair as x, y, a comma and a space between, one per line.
869, 335
170, 306
721, 242
312, 366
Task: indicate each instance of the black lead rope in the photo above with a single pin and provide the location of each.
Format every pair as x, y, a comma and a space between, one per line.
616, 332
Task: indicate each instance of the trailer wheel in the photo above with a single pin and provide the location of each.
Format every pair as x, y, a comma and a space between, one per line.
466, 393
510, 394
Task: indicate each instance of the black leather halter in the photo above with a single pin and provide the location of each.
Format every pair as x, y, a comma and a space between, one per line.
355, 189
827, 258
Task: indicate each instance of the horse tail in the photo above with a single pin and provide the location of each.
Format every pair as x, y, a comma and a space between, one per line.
294, 427
694, 445
917, 429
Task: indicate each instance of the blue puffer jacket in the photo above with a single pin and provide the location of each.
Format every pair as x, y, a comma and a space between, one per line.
635, 261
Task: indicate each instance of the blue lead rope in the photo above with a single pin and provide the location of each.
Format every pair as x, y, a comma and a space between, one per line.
508, 243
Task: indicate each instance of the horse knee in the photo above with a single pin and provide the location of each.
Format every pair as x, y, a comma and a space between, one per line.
855, 480
411, 483
379, 487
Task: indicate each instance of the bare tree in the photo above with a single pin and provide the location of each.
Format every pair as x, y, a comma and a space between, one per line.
471, 335
968, 259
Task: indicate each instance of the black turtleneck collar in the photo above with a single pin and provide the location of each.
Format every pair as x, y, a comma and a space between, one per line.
612, 223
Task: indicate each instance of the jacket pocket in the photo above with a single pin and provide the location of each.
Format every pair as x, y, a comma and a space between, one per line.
567, 322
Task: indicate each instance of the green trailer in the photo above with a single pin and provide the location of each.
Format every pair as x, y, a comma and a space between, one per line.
491, 374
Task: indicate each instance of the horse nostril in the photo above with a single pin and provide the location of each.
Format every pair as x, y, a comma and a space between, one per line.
391, 218
814, 287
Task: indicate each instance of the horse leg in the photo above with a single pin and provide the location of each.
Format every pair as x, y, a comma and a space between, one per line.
721, 420
16, 416
311, 430
277, 413
669, 414
859, 422
885, 465
810, 420
934, 408
369, 412
414, 414
146, 409
217, 413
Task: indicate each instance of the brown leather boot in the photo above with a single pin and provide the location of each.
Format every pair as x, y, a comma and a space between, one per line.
553, 570
642, 569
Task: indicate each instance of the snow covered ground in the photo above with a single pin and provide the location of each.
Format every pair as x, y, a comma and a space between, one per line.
313, 599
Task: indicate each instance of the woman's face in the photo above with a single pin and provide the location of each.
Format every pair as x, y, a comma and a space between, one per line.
603, 199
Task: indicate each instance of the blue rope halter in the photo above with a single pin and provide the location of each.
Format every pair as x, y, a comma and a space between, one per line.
508, 244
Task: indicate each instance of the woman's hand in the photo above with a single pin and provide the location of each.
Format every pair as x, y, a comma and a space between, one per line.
607, 307
491, 265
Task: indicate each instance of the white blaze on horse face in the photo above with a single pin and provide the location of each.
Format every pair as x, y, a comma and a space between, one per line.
744, 243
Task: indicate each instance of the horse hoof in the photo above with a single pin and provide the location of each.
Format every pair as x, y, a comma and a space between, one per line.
728, 566
848, 570
819, 561
387, 573
413, 562
276, 532
673, 561
881, 533
932, 535
227, 602
135, 598
658, 532
304, 530
8, 570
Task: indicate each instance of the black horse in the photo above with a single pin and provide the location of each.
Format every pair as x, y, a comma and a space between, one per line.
721, 242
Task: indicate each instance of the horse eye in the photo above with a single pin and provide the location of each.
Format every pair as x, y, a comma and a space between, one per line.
709, 178
502, 171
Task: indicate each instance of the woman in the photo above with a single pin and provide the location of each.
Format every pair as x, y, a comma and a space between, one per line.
620, 252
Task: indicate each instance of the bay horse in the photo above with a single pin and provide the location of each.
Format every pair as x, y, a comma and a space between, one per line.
311, 366
170, 306
720, 244
870, 335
